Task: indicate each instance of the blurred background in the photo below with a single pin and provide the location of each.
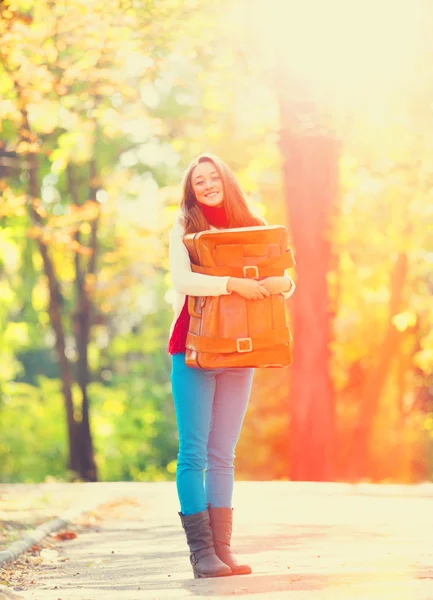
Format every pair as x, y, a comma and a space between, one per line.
324, 111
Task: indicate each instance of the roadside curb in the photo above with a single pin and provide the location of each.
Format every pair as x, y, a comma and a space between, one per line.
15, 549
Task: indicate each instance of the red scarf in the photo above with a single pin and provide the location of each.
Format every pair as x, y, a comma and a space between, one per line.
217, 217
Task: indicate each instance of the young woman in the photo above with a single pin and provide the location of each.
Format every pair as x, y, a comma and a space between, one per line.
210, 404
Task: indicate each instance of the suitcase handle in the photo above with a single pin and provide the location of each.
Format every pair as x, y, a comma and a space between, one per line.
191, 306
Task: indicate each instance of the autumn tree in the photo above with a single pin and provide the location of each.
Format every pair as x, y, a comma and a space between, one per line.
65, 71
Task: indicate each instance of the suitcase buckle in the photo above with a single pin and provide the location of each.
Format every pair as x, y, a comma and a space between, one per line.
244, 345
251, 272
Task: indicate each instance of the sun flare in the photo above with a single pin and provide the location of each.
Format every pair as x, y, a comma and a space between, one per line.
343, 47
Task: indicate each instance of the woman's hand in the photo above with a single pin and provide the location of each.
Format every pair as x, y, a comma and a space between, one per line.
277, 285
247, 288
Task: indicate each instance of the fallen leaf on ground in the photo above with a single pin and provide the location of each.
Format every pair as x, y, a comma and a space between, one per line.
66, 535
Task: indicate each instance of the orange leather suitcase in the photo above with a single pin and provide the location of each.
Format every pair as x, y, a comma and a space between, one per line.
231, 331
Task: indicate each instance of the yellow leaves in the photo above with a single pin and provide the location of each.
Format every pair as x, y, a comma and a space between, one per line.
108, 119
105, 307
103, 429
40, 296
6, 293
424, 360
404, 320
61, 230
114, 407
170, 214
27, 147
65, 238
111, 258
69, 120
61, 89
178, 145
8, 109
9, 251
11, 205
27, 135
171, 467
51, 52
85, 228
346, 263
75, 146
76, 216
79, 248
8, 369
249, 178
38, 208
43, 115
89, 211
16, 334
34, 233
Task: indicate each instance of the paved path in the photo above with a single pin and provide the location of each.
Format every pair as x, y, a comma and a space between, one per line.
305, 541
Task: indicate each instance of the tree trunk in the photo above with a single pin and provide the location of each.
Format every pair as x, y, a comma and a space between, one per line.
82, 321
54, 311
81, 460
311, 184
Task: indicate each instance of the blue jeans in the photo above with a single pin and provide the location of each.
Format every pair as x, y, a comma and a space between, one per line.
210, 408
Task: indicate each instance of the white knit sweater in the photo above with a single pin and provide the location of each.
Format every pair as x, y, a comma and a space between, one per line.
186, 282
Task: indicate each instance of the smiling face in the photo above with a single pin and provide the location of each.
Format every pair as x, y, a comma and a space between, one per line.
207, 184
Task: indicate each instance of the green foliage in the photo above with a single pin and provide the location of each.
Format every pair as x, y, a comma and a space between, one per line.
33, 434
133, 425
133, 430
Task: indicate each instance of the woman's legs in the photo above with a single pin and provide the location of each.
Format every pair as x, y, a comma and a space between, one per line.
232, 392
210, 408
193, 393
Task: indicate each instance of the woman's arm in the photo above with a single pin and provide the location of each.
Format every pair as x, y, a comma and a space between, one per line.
184, 280
279, 285
290, 286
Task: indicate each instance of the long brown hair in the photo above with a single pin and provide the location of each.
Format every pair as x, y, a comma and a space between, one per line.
235, 204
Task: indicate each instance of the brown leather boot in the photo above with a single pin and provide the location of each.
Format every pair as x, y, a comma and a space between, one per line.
222, 523
204, 561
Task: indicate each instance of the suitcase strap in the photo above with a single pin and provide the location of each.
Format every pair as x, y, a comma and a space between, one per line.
246, 344
267, 268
